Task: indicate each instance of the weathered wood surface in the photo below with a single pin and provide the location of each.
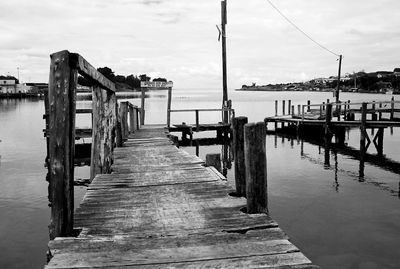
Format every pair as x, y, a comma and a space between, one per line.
61, 142
163, 209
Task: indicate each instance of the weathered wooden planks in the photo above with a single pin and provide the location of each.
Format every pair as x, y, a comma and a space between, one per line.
177, 214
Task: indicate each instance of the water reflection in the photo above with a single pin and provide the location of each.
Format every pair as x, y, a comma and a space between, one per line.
331, 152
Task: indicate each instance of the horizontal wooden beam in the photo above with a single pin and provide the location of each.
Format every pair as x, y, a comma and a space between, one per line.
88, 71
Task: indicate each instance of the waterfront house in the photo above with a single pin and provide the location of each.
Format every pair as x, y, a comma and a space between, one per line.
8, 84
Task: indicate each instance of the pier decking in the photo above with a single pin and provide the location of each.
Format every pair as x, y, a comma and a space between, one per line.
161, 208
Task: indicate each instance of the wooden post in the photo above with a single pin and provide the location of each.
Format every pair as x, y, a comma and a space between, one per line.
328, 120
380, 141
238, 153
363, 134
214, 160
131, 118
292, 110
104, 117
308, 105
62, 92
142, 117
197, 120
124, 120
338, 81
380, 113
289, 107
276, 107
392, 109
283, 107
256, 168
299, 110
224, 69
169, 107
118, 131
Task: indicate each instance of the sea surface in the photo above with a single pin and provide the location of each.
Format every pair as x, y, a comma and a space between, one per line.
336, 219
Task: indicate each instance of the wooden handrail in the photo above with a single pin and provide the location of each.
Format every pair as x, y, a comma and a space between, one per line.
231, 112
61, 132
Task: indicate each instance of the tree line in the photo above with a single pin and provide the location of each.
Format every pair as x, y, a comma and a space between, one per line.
130, 81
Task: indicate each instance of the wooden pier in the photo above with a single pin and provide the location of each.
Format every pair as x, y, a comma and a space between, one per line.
150, 204
161, 208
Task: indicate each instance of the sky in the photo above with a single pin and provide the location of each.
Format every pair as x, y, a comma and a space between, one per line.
178, 39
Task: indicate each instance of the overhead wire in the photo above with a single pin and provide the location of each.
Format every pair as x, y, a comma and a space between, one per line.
301, 31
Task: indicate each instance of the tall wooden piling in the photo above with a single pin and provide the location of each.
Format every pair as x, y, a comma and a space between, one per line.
289, 107
363, 134
238, 153
62, 90
169, 107
283, 107
328, 120
142, 104
308, 105
256, 168
276, 107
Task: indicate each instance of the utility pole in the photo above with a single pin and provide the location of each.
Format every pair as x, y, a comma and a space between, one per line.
338, 81
224, 72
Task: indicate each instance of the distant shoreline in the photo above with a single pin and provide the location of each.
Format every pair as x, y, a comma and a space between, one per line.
262, 89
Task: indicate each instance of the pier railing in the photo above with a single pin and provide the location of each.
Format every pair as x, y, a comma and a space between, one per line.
110, 128
347, 110
229, 111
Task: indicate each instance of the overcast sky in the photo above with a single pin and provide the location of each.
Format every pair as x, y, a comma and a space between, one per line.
177, 39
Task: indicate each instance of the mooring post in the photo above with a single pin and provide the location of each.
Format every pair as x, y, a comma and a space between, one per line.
62, 107
392, 109
308, 105
276, 107
256, 168
380, 113
363, 134
298, 110
292, 110
238, 153
328, 120
289, 107
142, 104
169, 107
214, 160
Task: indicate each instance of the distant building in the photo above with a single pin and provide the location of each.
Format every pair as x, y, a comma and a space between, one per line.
396, 72
8, 85
156, 84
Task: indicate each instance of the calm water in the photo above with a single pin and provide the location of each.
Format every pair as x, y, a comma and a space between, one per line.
336, 220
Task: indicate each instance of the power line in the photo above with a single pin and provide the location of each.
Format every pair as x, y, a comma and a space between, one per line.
301, 31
